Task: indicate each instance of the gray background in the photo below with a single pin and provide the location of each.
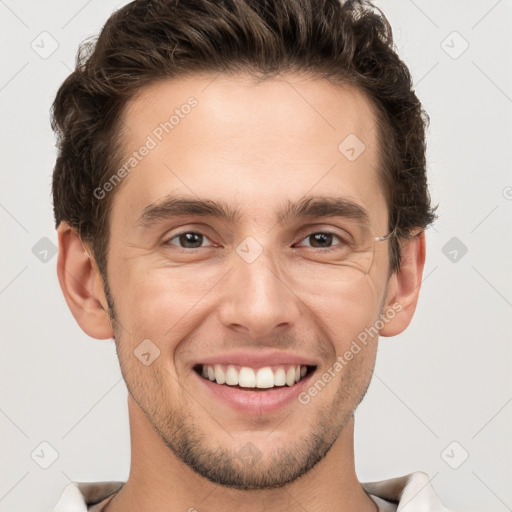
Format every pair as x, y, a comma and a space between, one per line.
441, 391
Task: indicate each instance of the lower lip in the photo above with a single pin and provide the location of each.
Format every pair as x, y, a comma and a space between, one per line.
255, 402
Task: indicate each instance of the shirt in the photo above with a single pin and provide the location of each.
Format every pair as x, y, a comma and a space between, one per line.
410, 493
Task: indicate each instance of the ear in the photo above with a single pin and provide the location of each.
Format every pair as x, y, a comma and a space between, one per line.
404, 286
82, 285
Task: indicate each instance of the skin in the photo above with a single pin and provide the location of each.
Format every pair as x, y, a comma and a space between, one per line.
253, 146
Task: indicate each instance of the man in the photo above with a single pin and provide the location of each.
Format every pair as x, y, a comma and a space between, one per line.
241, 198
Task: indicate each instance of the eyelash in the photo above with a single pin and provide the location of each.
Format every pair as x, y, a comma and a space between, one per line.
189, 249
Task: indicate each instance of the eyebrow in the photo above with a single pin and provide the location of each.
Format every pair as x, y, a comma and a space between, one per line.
324, 206
308, 207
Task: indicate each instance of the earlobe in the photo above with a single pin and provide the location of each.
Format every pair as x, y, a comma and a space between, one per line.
81, 285
405, 287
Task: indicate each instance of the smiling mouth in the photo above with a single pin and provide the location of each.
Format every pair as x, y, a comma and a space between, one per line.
266, 378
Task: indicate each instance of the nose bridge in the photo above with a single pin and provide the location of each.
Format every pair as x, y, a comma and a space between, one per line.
256, 297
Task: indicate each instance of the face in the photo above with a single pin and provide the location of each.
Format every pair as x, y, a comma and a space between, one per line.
236, 238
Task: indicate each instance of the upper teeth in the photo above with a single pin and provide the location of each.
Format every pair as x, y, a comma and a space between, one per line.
246, 377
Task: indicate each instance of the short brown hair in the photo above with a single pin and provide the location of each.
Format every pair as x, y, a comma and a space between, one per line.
145, 41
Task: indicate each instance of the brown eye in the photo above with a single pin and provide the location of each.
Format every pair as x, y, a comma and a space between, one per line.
321, 239
188, 240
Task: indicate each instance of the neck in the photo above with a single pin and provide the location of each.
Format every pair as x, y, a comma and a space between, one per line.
160, 481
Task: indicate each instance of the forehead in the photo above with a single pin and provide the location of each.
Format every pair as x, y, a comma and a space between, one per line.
252, 144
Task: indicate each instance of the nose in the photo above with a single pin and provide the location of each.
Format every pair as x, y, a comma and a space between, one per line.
256, 300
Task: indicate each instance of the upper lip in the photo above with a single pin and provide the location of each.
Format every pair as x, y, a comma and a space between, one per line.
257, 359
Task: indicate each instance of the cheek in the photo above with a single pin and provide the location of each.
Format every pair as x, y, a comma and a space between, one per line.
344, 312
157, 303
